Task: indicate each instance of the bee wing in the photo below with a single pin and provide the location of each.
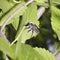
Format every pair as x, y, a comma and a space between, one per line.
36, 29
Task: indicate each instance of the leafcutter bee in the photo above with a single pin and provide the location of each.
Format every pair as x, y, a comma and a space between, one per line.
32, 27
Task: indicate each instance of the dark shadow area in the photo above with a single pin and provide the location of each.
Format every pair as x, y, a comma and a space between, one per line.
45, 25
35, 43
10, 32
17, 0
25, 0
1, 56
0, 10
20, 20
58, 6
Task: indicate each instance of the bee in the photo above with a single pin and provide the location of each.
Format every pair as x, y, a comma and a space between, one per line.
32, 27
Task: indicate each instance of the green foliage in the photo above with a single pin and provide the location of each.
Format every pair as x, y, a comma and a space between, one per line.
45, 54
56, 20
30, 15
56, 2
8, 8
28, 53
42, 3
16, 32
5, 48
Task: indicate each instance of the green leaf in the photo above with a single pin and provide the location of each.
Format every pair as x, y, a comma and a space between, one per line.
5, 6
8, 9
55, 20
42, 3
26, 52
56, 1
6, 48
30, 15
45, 54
